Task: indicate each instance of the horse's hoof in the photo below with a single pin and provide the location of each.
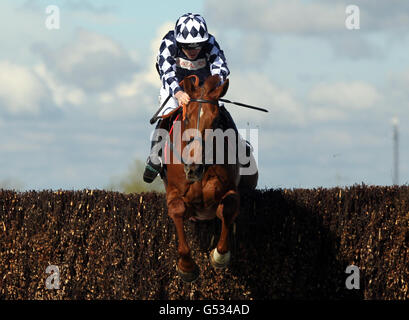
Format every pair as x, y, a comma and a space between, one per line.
219, 261
188, 276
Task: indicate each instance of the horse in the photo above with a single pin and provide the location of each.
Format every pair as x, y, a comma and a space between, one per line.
198, 190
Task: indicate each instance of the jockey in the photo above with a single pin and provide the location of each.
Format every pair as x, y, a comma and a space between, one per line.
187, 50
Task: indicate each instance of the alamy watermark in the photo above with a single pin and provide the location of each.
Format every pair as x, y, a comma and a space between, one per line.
352, 20
352, 281
52, 21
199, 149
52, 281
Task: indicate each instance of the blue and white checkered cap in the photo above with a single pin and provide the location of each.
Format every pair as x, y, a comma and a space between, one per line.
191, 28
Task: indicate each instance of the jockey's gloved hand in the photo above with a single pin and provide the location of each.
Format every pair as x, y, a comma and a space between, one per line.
182, 98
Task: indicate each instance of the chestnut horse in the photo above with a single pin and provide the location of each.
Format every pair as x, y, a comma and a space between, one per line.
199, 190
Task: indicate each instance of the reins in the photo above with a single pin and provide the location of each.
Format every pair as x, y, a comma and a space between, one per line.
215, 102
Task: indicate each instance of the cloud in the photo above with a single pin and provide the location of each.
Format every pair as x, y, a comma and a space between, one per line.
84, 5
320, 19
324, 102
248, 49
61, 94
11, 184
90, 61
325, 114
139, 93
333, 137
258, 90
152, 75
345, 95
73, 5
141, 89
74, 9
281, 16
90, 71
355, 45
96, 74
291, 111
20, 27
21, 91
399, 83
302, 17
379, 15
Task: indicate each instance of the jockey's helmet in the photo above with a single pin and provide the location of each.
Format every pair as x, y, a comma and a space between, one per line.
191, 31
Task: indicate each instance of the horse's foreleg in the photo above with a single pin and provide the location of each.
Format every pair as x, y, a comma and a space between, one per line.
227, 211
186, 267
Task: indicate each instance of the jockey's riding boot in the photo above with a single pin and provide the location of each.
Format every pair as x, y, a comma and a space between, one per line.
152, 169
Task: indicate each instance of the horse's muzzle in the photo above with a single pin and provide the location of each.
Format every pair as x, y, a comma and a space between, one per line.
194, 172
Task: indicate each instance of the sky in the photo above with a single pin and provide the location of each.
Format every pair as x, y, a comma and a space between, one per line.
75, 102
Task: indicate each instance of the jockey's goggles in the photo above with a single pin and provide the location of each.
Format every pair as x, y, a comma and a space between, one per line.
191, 46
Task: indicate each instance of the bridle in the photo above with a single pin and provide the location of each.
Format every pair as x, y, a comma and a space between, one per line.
185, 119
200, 101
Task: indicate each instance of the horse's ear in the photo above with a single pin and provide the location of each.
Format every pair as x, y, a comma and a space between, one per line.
211, 83
188, 85
220, 91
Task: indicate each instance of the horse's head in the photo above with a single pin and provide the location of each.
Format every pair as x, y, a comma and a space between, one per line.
201, 114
